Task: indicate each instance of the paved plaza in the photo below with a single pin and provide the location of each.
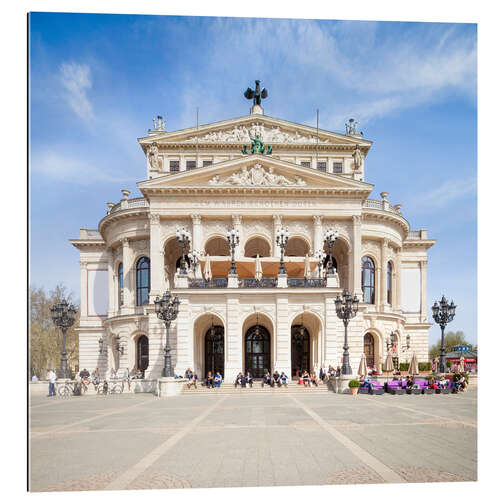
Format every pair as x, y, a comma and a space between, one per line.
137, 441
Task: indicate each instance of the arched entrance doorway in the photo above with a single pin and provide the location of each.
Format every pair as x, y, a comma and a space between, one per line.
301, 348
369, 350
142, 353
257, 351
214, 350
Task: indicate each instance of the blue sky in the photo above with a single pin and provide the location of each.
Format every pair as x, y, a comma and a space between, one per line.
97, 81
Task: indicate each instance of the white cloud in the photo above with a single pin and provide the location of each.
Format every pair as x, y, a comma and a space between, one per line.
445, 194
76, 79
70, 168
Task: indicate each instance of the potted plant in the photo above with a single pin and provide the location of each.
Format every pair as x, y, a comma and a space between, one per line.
354, 386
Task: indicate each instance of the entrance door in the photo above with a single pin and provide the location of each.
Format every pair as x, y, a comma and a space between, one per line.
369, 350
214, 350
300, 350
257, 351
142, 360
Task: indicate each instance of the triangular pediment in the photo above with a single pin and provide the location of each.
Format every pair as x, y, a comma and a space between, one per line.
254, 173
240, 131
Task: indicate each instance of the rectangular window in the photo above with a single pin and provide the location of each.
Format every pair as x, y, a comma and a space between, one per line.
306, 164
190, 164
322, 166
337, 168
174, 165
206, 163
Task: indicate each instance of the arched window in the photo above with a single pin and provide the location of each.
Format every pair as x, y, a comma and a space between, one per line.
368, 280
389, 282
120, 284
142, 281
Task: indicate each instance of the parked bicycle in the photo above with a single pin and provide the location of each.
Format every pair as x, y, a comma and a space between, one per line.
112, 387
69, 389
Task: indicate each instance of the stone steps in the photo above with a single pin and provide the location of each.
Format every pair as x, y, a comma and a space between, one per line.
293, 388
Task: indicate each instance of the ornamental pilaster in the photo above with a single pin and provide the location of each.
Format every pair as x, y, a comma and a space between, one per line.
383, 260
83, 289
317, 233
156, 260
197, 237
127, 277
111, 283
356, 256
423, 291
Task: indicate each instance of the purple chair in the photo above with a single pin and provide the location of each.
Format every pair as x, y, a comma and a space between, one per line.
395, 386
378, 388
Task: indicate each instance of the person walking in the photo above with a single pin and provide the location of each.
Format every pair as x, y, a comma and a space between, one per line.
52, 383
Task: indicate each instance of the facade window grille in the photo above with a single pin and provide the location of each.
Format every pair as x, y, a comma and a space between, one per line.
143, 275
322, 166
174, 165
306, 164
389, 283
337, 168
206, 163
120, 284
368, 280
190, 164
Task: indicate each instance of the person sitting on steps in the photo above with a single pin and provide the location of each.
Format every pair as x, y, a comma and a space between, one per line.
249, 379
209, 381
240, 380
276, 378
218, 380
267, 380
284, 379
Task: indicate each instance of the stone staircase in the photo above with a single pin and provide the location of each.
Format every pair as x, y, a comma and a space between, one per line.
228, 388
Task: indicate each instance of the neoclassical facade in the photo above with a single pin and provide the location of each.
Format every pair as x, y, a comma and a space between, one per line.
217, 177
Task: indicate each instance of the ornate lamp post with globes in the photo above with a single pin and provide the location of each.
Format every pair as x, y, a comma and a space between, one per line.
346, 308
443, 313
233, 238
63, 316
184, 239
330, 238
282, 240
167, 308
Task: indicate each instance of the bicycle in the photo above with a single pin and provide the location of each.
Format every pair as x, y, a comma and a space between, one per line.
112, 387
67, 389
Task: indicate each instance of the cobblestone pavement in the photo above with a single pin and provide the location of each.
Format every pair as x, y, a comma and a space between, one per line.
137, 441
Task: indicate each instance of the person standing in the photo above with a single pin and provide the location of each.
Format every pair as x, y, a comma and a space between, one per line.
52, 383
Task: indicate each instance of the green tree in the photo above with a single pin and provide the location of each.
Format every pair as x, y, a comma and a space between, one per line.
451, 339
45, 339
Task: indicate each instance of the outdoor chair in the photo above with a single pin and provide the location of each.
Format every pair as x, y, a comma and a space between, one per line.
394, 387
378, 388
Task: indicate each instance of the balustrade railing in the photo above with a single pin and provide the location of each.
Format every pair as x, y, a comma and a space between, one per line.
306, 283
203, 283
262, 283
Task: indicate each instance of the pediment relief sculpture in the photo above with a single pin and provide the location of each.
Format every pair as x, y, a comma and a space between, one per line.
266, 134
256, 176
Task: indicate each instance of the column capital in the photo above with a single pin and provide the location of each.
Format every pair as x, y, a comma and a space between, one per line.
196, 218
356, 220
237, 219
83, 265
317, 220
385, 243
277, 218
124, 242
154, 219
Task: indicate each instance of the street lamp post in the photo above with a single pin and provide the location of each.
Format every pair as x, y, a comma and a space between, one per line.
330, 238
282, 240
346, 308
184, 239
443, 313
167, 308
63, 316
233, 238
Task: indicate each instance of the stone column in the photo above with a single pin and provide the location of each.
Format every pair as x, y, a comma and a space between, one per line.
233, 339
238, 251
277, 223
383, 290
112, 290
181, 339
397, 281
196, 218
282, 338
128, 293
356, 256
318, 237
156, 256
423, 291
83, 289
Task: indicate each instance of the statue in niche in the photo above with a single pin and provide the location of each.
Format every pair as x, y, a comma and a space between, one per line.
152, 155
358, 158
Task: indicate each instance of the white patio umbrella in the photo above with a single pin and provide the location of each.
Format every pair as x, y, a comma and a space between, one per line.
388, 365
461, 365
413, 369
363, 369
258, 268
307, 268
208, 269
